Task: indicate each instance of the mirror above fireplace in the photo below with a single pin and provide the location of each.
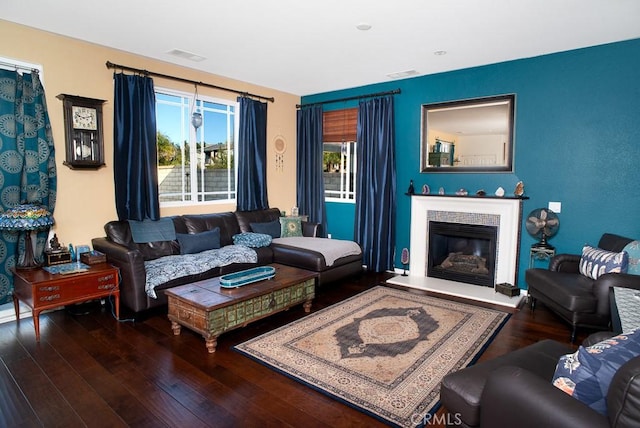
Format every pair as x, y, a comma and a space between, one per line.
474, 135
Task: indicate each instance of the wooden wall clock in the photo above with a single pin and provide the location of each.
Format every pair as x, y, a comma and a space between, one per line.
83, 132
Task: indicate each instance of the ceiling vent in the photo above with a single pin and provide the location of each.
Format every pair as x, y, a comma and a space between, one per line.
186, 55
401, 74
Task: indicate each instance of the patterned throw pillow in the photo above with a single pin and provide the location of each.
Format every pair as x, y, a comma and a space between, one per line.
191, 243
633, 249
251, 239
587, 373
596, 261
271, 228
290, 227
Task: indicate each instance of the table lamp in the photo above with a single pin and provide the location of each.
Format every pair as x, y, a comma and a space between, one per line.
27, 218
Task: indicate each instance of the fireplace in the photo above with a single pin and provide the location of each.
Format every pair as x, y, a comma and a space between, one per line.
501, 214
462, 252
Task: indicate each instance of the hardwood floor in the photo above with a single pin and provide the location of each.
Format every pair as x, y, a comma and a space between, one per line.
91, 370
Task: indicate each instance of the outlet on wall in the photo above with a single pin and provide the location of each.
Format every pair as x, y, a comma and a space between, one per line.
556, 207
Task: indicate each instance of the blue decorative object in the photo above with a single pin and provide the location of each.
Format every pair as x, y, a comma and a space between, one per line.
248, 276
633, 249
27, 218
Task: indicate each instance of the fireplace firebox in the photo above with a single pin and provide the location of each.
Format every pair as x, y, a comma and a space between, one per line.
462, 252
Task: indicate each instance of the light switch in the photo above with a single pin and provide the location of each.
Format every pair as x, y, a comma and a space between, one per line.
556, 207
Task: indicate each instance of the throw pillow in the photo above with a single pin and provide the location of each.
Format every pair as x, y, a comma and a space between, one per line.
587, 373
270, 228
191, 243
290, 227
596, 261
251, 239
633, 249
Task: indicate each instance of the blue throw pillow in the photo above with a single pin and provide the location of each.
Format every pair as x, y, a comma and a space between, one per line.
271, 228
587, 373
596, 261
191, 243
633, 249
251, 239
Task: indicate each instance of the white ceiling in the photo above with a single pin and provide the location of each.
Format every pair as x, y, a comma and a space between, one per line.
311, 46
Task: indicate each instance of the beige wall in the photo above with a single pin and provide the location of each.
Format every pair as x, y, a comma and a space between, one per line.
86, 198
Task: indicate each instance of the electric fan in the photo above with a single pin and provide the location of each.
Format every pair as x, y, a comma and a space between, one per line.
542, 223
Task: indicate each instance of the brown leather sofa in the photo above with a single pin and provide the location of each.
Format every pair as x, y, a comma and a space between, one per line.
129, 256
515, 390
581, 301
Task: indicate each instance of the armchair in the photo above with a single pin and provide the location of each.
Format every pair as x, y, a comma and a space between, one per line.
579, 300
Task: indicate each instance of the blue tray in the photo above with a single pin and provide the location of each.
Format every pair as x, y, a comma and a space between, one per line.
238, 279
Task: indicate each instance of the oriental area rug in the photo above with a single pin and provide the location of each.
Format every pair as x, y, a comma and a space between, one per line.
383, 351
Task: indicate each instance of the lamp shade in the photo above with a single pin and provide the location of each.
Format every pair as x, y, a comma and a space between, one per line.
26, 217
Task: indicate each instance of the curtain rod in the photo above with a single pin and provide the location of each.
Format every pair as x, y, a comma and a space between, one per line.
180, 79
17, 67
377, 94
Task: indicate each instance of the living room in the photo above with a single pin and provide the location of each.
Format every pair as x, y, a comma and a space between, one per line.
576, 130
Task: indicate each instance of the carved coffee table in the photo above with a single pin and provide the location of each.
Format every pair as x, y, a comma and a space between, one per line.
211, 310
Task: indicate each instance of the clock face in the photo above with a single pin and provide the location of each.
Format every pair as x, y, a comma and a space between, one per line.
84, 118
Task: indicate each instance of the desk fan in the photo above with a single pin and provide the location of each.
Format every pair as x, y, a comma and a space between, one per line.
542, 223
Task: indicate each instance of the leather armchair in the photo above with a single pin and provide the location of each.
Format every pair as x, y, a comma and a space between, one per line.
579, 300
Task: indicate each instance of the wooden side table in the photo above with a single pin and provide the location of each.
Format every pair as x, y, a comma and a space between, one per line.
41, 290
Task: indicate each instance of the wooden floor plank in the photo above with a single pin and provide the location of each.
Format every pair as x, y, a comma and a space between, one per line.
91, 370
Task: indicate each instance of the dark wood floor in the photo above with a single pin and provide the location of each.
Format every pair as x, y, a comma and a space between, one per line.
91, 370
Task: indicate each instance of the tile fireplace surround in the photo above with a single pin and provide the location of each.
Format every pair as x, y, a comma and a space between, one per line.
505, 213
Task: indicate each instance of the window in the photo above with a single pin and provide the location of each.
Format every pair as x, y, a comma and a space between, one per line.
339, 129
195, 166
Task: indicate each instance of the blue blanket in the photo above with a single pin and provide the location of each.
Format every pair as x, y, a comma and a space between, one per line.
152, 231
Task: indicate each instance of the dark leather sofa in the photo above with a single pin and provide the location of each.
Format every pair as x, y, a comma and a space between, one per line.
515, 390
579, 300
129, 257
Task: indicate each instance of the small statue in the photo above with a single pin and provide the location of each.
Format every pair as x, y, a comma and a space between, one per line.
54, 243
410, 190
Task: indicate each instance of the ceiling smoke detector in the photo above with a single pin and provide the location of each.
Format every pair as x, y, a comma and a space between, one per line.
186, 55
363, 26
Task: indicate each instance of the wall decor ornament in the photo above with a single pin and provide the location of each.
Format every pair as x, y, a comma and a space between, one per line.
425, 189
500, 191
411, 189
519, 190
279, 146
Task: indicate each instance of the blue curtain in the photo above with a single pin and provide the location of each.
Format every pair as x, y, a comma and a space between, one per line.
27, 161
310, 182
135, 151
376, 183
252, 153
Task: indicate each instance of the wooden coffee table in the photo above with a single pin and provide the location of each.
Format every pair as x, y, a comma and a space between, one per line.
210, 310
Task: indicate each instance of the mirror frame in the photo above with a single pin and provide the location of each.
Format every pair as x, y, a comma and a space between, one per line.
510, 100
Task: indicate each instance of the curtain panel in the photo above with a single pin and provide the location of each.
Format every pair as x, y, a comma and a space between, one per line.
252, 154
376, 183
135, 150
27, 162
310, 182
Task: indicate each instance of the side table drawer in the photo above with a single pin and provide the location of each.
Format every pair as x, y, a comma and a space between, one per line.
44, 294
87, 285
186, 314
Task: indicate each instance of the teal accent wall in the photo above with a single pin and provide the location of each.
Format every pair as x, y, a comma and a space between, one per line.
577, 141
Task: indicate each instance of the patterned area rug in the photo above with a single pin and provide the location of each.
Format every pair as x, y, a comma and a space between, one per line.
383, 351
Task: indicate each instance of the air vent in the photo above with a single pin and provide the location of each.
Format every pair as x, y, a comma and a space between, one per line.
186, 55
401, 74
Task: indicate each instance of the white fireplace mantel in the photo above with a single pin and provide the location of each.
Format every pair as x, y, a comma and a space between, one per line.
504, 212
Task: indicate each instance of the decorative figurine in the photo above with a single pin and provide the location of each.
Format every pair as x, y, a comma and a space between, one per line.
404, 259
425, 189
462, 192
500, 191
55, 244
519, 190
410, 190
441, 191
481, 192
